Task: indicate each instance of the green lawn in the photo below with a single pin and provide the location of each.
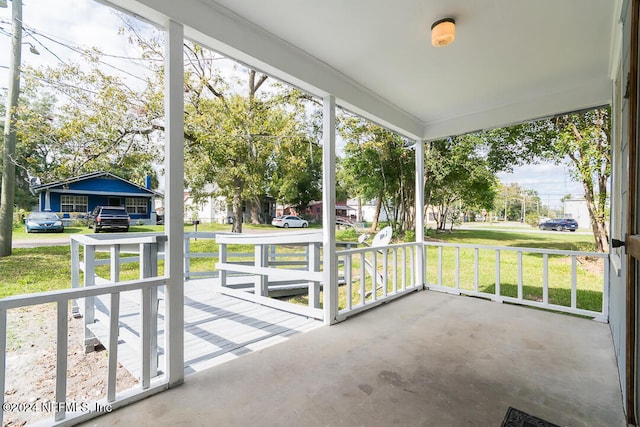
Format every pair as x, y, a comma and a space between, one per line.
35, 270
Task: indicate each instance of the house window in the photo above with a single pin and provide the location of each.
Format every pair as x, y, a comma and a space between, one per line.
136, 205
73, 203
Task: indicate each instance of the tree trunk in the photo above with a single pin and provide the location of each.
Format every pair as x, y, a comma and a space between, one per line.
597, 221
376, 216
255, 212
442, 218
236, 203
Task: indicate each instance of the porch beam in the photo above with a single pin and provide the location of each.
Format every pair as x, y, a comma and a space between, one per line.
330, 265
174, 201
420, 279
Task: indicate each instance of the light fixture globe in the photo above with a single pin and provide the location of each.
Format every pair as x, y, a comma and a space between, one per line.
443, 32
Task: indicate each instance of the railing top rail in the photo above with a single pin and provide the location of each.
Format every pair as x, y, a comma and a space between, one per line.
271, 238
375, 248
69, 294
474, 246
519, 249
200, 234
118, 239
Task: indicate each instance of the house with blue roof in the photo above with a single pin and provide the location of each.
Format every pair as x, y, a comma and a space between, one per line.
76, 197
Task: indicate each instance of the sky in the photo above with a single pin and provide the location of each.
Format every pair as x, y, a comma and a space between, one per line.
551, 181
86, 23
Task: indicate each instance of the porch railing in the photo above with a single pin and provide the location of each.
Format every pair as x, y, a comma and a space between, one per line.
542, 278
82, 299
123, 253
268, 269
521, 276
149, 384
374, 275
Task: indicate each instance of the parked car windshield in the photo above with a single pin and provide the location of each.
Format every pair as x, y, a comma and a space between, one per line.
112, 211
47, 216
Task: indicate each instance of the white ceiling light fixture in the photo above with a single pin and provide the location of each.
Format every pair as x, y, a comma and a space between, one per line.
443, 32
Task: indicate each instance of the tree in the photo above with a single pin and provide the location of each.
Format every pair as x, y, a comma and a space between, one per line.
234, 123
459, 179
234, 139
581, 140
381, 167
297, 176
73, 121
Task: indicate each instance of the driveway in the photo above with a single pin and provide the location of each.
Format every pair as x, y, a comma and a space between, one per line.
44, 240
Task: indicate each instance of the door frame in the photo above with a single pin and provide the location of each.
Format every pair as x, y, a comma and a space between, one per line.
632, 240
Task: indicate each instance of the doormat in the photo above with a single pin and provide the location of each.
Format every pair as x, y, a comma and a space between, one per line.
517, 418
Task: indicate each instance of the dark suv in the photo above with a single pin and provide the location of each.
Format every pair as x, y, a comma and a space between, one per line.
111, 217
559, 224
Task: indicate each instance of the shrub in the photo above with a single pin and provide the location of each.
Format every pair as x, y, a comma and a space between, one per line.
532, 219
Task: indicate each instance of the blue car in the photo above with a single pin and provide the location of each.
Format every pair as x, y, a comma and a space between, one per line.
43, 221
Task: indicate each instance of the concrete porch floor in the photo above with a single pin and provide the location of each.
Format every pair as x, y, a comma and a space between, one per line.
427, 359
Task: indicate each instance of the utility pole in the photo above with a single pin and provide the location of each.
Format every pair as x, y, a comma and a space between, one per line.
7, 198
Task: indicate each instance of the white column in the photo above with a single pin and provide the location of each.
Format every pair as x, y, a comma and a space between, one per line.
419, 259
47, 201
174, 201
330, 265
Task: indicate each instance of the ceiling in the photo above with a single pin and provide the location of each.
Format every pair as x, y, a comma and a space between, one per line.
512, 60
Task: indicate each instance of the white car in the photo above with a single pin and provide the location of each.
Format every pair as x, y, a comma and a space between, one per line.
287, 221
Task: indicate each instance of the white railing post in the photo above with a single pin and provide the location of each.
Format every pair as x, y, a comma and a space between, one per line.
330, 265
90, 340
187, 258
394, 270
605, 290
115, 263
145, 336
348, 282
313, 265
222, 258
261, 280
363, 277
440, 266
3, 358
114, 326
457, 266
476, 269
545, 278
61, 358
374, 274
520, 281
497, 290
404, 267
574, 282
272, 255
385, 272
149, 268
75, 274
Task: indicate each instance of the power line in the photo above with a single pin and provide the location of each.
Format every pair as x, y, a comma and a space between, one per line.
83, 52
